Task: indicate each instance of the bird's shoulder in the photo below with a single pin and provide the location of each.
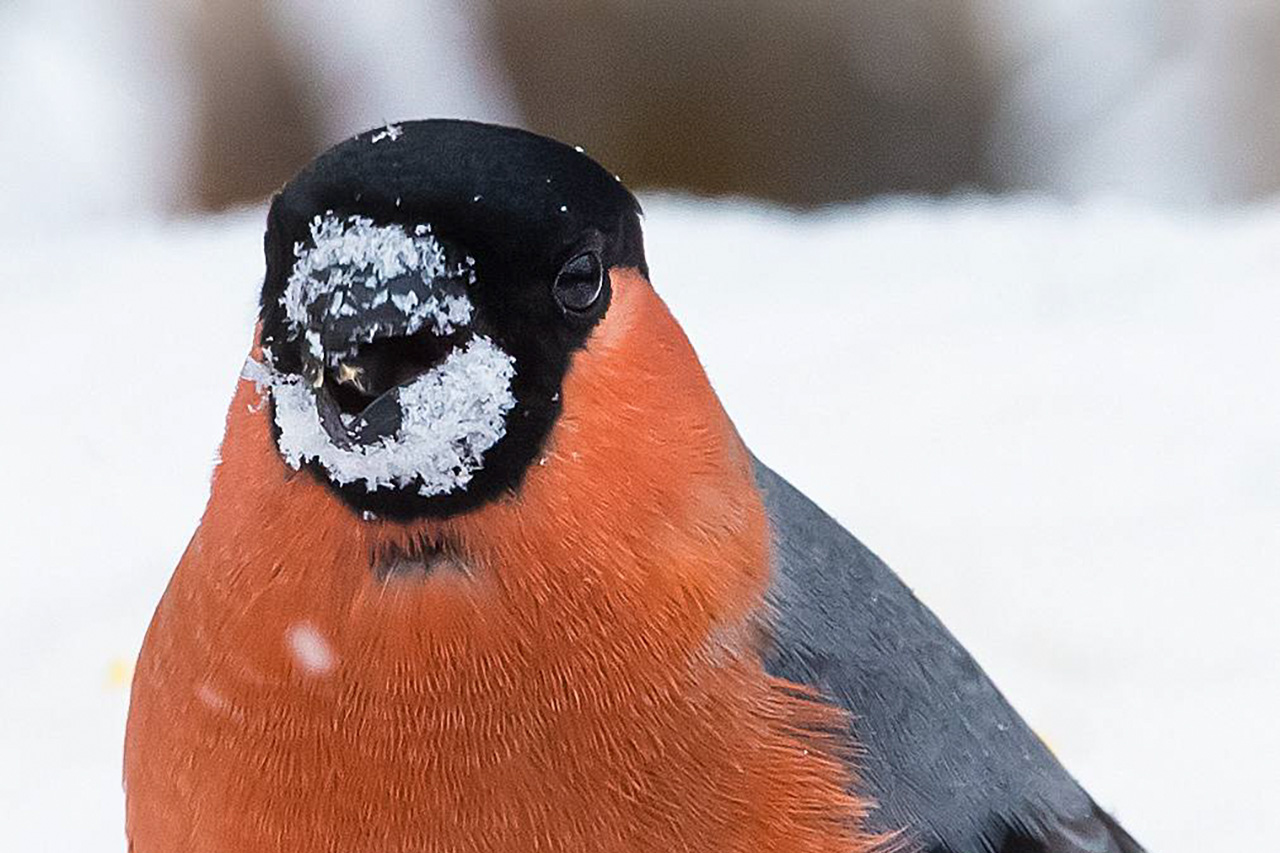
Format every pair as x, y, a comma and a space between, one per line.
946, 758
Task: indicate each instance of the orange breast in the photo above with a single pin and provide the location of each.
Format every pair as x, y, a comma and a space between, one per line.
577, 674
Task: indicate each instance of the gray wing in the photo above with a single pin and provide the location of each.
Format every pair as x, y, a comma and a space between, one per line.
943, 753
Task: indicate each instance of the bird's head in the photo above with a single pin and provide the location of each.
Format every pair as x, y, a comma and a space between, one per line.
460, 344
427, 287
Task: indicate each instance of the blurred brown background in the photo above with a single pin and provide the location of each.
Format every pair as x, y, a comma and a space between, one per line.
1058, 420
196, 105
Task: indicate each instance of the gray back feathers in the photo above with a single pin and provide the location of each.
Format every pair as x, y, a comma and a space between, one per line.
942, 752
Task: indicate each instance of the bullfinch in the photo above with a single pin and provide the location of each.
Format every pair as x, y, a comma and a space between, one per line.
486, 568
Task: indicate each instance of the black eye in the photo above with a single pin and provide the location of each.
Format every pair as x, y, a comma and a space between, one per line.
579, 284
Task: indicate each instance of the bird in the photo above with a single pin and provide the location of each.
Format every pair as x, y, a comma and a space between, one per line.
486, 566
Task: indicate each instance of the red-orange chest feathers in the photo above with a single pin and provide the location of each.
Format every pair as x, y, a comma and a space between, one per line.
568, 669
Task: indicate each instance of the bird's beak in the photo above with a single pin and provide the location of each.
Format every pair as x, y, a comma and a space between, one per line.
395, 388
366, 340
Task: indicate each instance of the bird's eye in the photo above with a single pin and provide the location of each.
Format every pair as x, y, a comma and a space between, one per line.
579, 284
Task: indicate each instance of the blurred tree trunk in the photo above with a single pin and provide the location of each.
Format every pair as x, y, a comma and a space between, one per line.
799, 101
254, 131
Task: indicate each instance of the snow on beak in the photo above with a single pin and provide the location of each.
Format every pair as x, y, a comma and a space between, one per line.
396, 390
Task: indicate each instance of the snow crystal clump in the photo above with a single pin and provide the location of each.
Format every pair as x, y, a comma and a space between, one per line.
391, 131
450, 416
351, 263
258, 373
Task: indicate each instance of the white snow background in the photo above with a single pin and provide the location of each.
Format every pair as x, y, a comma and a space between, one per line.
1060, 424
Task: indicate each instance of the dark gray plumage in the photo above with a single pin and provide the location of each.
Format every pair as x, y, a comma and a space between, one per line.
941, 750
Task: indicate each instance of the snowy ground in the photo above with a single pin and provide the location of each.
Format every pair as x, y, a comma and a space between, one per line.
1060, 425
